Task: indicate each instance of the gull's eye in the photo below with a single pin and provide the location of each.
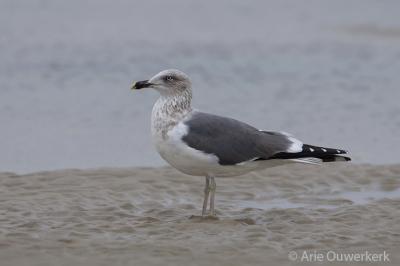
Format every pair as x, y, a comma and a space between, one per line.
169, 78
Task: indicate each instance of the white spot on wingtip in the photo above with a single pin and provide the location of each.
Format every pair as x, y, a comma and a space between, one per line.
324, 150
311, 150
338, 151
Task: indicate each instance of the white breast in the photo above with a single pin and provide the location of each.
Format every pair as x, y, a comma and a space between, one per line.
179, 155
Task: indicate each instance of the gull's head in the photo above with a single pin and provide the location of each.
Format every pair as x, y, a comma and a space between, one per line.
167, 82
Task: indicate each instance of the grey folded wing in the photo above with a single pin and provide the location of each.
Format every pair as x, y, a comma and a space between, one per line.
232, 141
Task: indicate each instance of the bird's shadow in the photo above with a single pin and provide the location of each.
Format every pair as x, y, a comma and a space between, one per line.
210, 218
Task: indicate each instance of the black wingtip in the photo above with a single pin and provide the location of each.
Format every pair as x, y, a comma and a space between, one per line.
325, 154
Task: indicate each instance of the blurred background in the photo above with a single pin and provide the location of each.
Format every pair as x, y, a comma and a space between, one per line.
326, 71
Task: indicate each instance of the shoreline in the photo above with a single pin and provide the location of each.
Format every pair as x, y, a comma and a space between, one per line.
168, 167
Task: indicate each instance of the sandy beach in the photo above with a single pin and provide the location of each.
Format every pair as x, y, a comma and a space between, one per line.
150, 216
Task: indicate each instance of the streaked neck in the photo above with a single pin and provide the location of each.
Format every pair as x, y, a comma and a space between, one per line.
176, 103
169, 110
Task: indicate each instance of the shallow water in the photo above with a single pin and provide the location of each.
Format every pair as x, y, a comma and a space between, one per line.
316, 69
149, 216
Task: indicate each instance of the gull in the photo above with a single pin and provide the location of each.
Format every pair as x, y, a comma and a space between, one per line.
208, 145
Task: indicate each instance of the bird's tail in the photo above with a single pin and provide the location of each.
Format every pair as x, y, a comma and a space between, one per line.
314, 155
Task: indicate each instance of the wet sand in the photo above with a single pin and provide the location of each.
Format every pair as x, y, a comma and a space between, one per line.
149, 216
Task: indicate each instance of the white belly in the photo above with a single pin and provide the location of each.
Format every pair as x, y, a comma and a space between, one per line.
182, 157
